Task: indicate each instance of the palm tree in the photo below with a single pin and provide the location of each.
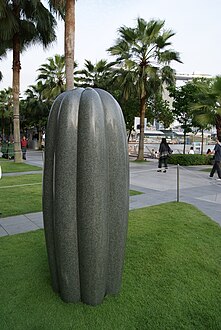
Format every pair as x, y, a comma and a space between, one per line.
94, 75
35, 109
66, 9
52, 75
141, 52
22, 24
207, 109
216, 90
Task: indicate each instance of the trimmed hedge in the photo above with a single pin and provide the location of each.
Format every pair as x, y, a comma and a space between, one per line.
188, 160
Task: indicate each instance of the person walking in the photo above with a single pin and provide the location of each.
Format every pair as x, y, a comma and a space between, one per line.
209, 152
24, 144
217, 159
191, 152
164, 151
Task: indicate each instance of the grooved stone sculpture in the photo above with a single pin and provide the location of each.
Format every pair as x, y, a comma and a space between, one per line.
85, 195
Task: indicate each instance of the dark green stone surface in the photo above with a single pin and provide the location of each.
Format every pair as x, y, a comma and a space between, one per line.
85, 195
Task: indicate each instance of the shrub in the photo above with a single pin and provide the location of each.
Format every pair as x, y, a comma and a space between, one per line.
188, 160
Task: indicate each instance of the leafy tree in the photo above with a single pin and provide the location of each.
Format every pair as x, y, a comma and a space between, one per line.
142, 52
22, 24
130, 108
6, 110
184, 98
159, 110
129, 104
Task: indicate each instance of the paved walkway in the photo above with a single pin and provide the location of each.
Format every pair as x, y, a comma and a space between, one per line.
194, 187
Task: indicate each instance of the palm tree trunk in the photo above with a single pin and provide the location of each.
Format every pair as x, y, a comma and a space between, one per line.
15, 91
202, 141
10, 127
142, 117
129, 134
39, 137
184, 142
69, 43
3, 125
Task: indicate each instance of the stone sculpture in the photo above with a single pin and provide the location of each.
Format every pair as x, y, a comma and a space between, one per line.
85, 195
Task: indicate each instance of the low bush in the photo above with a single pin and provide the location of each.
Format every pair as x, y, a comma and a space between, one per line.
188, 160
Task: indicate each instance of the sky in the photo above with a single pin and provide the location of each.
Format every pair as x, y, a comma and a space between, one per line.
196, 24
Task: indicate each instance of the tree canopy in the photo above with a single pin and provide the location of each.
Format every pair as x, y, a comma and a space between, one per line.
142, 53
23, 23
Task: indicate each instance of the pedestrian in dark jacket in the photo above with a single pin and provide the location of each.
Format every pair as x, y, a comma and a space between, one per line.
217, 159
164, 152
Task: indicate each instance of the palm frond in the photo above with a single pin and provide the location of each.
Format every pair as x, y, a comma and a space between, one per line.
169, 55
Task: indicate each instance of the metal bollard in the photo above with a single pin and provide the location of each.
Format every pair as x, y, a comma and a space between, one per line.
178, 183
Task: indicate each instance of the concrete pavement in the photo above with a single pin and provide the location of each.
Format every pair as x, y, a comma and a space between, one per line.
21, 223
195, 188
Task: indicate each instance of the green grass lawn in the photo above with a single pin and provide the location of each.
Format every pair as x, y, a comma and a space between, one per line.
20, 194
23, 194
172, 278
9, 166
206, 169
135, 192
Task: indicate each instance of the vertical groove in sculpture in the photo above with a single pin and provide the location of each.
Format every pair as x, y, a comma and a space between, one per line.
85, 195
92, 198
65, 220
117, 201
48, 188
